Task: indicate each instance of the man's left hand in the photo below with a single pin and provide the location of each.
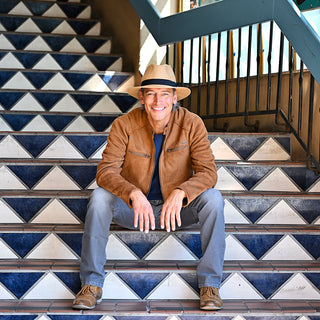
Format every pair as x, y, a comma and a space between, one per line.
170, 213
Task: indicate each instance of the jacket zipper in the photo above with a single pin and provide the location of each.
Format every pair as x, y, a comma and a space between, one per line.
140, 154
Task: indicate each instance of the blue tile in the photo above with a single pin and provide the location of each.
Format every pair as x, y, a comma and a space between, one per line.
267, 283
123, 102
22, 317
83, 175
81, 26
142, 318
27, 208
22, 243
102, 63
114, 81
9, 99
17, 121
12, 23
244, 146
46, 25
309, 209
192, 241
30, 175
249, 175
285, 142
38, 8
6, 6
191, 279
48, 99
91, 44
76, 80
38, 79
73, 240
254, 208
87, 145
140, 243
314, 278
71, 279
35, 144
86, 101
142, 283
56, 43
28, 59
20, 41
311, 242
72, 10
58, 122
258, 244
66, 61
100, 123
77, 206
5, 76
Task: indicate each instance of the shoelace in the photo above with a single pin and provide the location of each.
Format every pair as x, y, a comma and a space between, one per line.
209, 291
86, 290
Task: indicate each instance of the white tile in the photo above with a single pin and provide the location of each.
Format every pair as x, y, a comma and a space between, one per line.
61, 148
56, 179
9, 61
222, 151
235, 250
63, 28
315, 187
105, 105
93, 185
20, 9
79, 125
66, 104
47, 63
8, 180
107, 318
28, 26
84, 64
51, 247
116, 66
2, 28
227, 182
5, 294
232, 215
277, 180
173, 287
297, 288
105, 48
6, 252
10, 148
173, 318
54, 11
281, 213
95, 84
130, 82
287, 249
43, 318
4, 125
56, 213
38, 124
238, 318
116, 250
98, 154
58, 290
38, 44
5, 44
270, 150
27, 103
244, 290
58, 82
95, 30
115, 288
73, 46
8, 215
170, 249
85, 14
18, 81
317, 221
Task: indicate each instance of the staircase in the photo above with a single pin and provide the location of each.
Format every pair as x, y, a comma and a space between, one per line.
61, 88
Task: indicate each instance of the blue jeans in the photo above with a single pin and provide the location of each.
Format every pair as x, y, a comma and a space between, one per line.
104, 207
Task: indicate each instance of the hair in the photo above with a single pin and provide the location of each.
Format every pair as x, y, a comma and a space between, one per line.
174, 107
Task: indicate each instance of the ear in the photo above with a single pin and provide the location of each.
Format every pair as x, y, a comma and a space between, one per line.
141, 97
175, 97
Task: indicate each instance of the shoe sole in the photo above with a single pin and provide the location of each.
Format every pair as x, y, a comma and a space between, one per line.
84, 307
210, 308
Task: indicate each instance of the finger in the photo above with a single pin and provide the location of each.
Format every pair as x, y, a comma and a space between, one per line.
167, 219
178, 217
162, 216
135, 218
141, 222
152, 220
146, 222
173, 221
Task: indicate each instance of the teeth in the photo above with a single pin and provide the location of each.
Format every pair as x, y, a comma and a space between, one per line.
158, 109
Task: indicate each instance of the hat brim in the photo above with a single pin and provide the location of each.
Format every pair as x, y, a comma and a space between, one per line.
182, 92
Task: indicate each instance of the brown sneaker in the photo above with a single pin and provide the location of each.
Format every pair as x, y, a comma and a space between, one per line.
88, 297
210, 299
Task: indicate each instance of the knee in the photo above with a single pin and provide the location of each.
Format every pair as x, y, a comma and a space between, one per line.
212, 199
100, 203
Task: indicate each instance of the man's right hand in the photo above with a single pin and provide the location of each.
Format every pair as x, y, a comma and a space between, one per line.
143, 213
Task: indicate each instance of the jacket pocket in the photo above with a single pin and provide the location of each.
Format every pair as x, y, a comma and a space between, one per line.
140, 154
182, 146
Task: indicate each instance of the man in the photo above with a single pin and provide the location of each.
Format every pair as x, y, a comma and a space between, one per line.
157, 172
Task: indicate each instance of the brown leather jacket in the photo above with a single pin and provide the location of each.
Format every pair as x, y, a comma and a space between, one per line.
186, 161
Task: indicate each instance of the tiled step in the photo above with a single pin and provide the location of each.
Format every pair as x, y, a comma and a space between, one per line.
49, 25
57, 43
59, 61
108, 81
45, 9
56, 102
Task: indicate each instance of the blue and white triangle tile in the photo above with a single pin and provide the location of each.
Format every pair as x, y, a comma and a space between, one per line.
117, 250
226, 181
8, 215
233, 215
222, 151
10, 148
235, 250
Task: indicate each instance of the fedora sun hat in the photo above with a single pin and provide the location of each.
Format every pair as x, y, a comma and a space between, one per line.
159, 76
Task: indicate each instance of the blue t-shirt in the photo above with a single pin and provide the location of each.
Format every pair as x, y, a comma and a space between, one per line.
155, 188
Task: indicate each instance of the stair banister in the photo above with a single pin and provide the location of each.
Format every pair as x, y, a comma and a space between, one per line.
231, 14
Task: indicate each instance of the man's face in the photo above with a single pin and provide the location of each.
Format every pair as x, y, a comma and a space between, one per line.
158, 103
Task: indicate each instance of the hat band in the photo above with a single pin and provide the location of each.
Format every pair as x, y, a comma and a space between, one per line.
157, 82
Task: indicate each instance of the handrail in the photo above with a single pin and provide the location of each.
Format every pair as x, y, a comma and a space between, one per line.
231, 14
